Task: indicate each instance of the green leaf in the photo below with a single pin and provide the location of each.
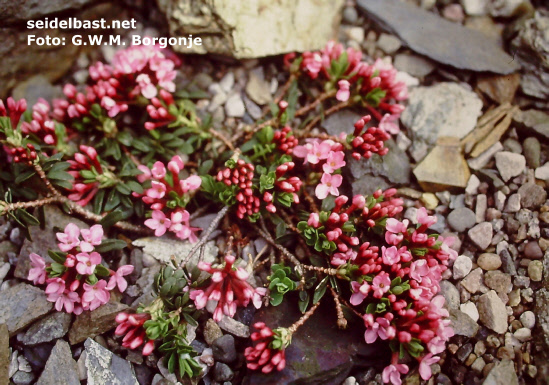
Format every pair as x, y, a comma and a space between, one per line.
276, 299
110, 244
57, 256
320, 290
24, 176
102, 271
30, 220
113, 200
111, 218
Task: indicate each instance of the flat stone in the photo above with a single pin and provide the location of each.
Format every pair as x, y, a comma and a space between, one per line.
483, 159
234, 27
313, 357
471, 49
238, 329
445, 109
388, 43
533, 121
444, 168
342, 121
462, 266
36, 87
21, 305
223, 349
513, 204
492, 312
4, 354
462, 324
473, 281
503, 373
510, 164
47, 329
489, 261
93, 323
450, 294
60, 368
211, 331
461, 219
481, 235
234, 106
258, 89
532, 195
106, 368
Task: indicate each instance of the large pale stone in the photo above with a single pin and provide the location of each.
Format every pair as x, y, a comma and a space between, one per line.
443, 168
254, 28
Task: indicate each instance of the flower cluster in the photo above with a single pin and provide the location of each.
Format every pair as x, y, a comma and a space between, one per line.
42, 124
76, 280
159, 111
268, 352
375, 84
327, 155
131, 327
167, 192
228, 287
89, 175
240, 174
285, 141
14, 110
369, 141
284, 189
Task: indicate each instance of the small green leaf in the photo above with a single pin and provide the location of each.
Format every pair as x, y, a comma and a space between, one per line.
320, 290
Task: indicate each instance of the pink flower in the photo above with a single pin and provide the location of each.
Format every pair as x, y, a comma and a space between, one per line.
146, 173
157, 190
148, 89
388, 124
91, 237
69, 239
381, 284
159, 223
95, 296
390, 255
335, 161
343, 93
328, 185
66, 300
313, 152
391, 374
37, 274
117, 279
158, 170
342, 258
87, 262
424, 219
359, 292
425, 366
191, 183
55, 286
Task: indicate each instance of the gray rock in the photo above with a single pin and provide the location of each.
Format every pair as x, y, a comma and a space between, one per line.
350, 15
500, 282
47, 329
513, 204
395, 166
450, 294
473, 281
234, 107
528, 319
533, 121
61, 369
414, 65
470, 49
503, 373
531, 47
483, 159
4, 354
224, 349
234, 30
222, 372
230, 325
445, 109
93, 323
342, 121
492, 312
36, 87
510, 164
462, 266
489, 261
21, 305
461, 219
106, 368
470, 309
532, 195
481, 235
542, 172
23, 378
252, 108
462, 324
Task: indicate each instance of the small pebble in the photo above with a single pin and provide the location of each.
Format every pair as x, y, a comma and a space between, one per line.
523, 334
535, 271
528, 319
489, 261
462, 266
532, 250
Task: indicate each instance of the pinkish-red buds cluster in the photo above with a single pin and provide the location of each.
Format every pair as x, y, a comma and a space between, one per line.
25, 154
42, 125
262, 355
284, 139
241, 175
131, 327
14, 110
369, 141
83, 188
158, 111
